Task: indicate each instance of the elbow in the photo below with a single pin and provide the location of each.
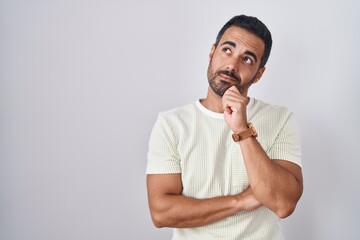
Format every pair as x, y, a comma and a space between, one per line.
161, 214
285, 211
285, 207
158, 220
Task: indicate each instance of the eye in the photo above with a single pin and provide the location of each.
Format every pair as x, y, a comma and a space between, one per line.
247, 60
226, 50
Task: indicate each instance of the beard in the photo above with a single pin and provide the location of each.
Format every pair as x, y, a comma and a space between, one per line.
220, 86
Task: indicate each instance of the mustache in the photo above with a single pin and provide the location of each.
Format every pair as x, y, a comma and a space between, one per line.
230, 74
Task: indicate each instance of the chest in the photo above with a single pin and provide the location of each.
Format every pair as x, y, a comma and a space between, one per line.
212, 163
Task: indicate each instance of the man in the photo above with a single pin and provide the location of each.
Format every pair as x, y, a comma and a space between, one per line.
227, 166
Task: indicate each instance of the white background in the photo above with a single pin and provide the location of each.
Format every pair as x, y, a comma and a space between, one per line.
81, 84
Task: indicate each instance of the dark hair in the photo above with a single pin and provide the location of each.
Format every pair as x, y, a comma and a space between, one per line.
253, 25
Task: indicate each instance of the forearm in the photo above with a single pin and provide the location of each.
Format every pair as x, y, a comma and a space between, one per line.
274, 186
183, 212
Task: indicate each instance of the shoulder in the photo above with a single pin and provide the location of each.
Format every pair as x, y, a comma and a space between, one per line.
177, 114
269, 116
170, 124
264, 108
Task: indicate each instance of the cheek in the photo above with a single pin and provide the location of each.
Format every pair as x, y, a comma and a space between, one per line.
217, 63
246, 72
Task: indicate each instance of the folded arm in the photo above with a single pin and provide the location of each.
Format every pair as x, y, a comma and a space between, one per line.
277, 184
169, 208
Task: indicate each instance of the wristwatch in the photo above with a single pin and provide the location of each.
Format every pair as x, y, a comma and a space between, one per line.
250, 132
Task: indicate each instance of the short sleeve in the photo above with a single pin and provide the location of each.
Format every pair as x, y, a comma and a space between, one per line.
163, 156
287, 145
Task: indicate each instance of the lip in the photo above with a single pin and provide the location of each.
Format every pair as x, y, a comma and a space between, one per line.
227, 78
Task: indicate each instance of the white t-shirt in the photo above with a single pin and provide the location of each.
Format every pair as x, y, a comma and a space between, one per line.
197, 143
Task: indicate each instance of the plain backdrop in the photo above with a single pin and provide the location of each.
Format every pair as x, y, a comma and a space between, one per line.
82, 82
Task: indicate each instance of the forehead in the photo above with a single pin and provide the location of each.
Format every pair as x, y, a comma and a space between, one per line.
244, 39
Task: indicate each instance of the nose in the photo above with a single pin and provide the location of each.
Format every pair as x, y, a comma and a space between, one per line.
230, 68
231, 65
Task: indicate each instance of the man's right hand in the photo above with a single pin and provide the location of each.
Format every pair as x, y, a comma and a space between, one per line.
247, 200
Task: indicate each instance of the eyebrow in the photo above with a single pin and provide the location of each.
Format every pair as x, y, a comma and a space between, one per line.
246, 52
230, 43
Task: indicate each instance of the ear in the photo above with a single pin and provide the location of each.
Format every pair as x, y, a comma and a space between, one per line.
212, 50
259, 74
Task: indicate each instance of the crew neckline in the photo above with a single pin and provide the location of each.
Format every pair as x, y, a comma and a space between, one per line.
216, 114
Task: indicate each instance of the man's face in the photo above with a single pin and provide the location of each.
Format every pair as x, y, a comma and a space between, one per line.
235, 61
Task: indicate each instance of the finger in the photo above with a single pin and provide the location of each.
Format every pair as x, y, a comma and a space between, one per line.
227, 105
228, 110
235, 96
233, 89
232, 99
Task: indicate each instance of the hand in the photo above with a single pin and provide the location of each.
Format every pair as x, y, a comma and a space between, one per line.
247, 200
234, 104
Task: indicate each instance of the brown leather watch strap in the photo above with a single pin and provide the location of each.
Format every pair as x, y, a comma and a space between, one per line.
250, 132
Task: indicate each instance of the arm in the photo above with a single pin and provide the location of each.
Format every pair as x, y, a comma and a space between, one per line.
276, 184
170, 209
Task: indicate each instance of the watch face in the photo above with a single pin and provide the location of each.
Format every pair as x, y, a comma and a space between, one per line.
236, 137
250, 132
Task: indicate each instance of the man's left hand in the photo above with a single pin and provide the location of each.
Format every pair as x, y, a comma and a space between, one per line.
234, 104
